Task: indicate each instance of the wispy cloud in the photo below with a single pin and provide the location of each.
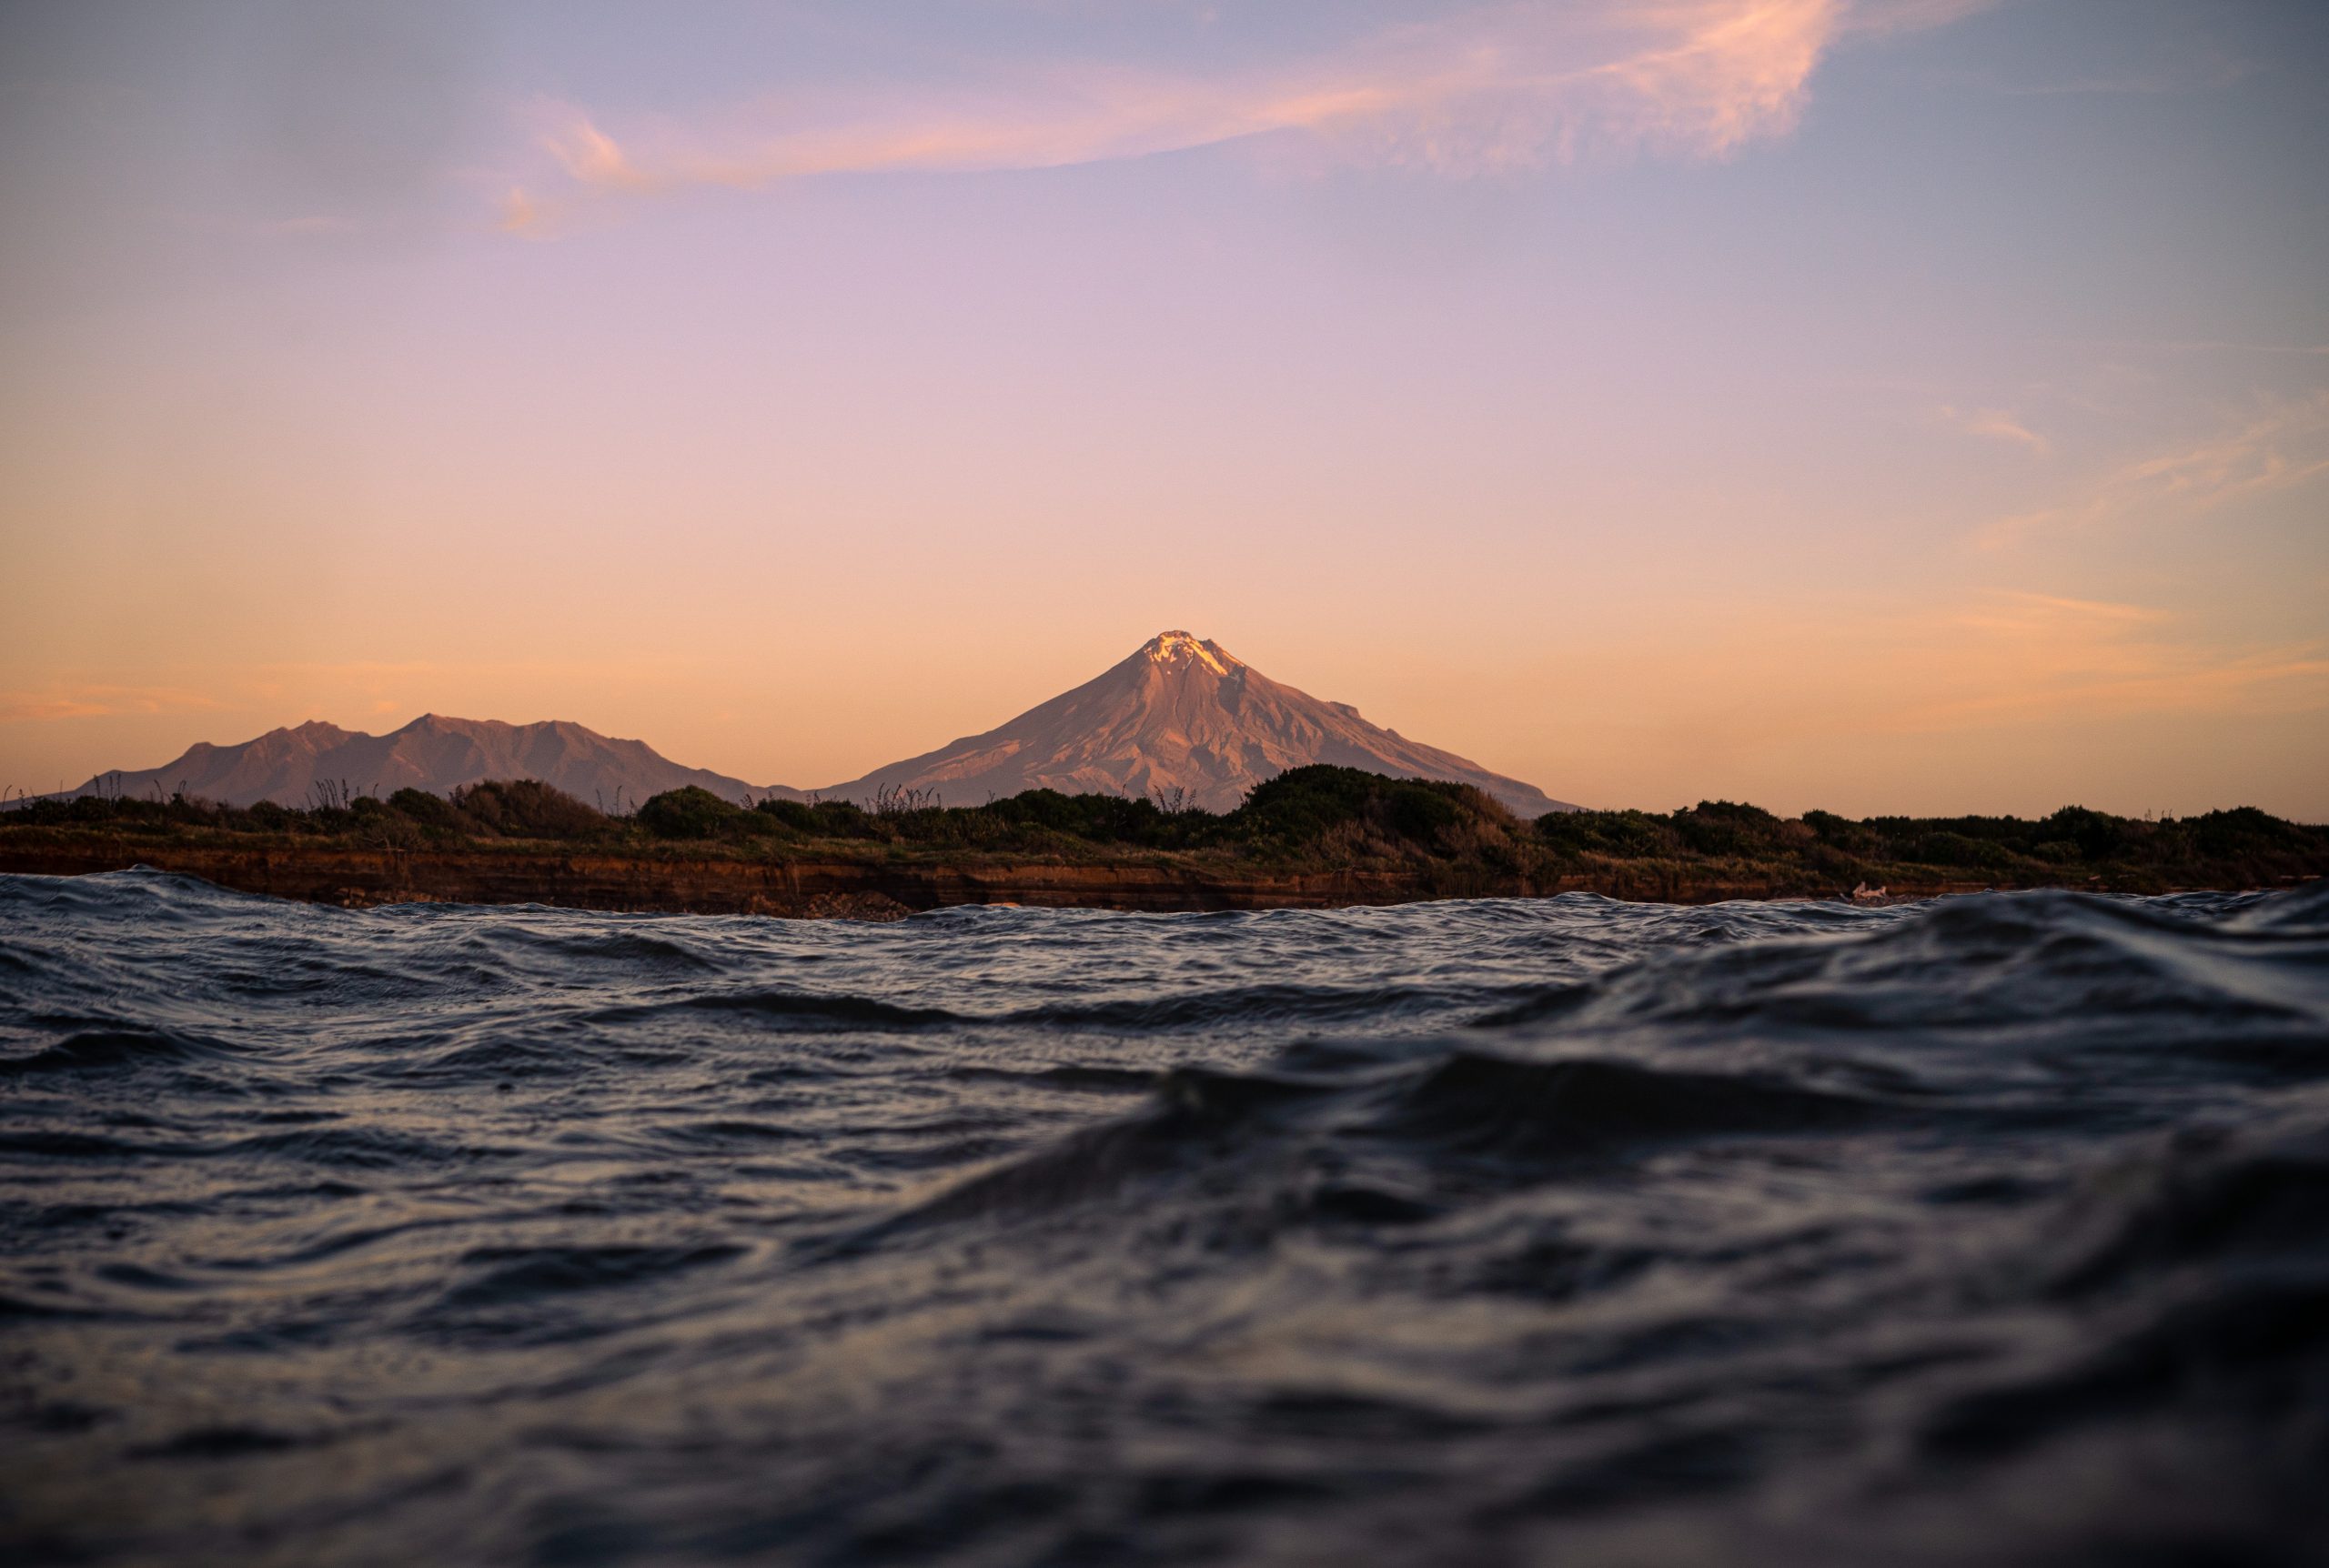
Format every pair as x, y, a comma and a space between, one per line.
1950, 694
2027, 657
1996, 424
1999, 659
1515, 86
98, 702
2283, 447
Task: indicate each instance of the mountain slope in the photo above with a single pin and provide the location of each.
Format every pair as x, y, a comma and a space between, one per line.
431, 753
1180, 714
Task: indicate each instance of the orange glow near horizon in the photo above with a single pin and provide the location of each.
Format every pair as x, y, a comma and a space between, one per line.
1902, 406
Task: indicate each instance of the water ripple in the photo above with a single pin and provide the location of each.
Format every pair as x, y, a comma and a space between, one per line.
1992, 1230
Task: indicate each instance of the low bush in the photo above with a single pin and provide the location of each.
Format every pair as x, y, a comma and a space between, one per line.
527, 808
1316, 816
1307, 808
425, 810
692, 812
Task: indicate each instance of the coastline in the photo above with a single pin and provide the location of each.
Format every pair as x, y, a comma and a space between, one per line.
876, 887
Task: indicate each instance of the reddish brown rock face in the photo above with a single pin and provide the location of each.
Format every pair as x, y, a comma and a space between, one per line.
870, 889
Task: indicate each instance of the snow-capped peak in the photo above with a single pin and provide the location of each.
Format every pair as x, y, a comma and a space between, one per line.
1171, 647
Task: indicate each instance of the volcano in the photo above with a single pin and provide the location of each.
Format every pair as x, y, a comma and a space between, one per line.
1184, 718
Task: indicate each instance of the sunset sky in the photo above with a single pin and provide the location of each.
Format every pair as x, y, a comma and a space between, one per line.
1878, 405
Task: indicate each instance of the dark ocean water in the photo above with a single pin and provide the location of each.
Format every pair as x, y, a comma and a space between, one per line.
1989, 1231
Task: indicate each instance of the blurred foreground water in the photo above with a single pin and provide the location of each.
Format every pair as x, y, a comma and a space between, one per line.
1993, 1230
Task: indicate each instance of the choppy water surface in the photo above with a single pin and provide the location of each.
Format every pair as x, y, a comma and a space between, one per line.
1993, 1230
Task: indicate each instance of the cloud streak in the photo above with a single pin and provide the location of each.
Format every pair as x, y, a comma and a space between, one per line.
2283, 447
1998, 425
98, 702
1517, 85
2003, 659
2028, 656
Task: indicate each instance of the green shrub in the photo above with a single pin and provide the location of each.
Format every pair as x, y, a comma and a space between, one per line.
1842, 833
817, 819
1421, 812
527, 808
1620, 835
1347, 810
1100, 818
1957, 850
2099, 837
692, 812
2243, 830
798, 816
1726, 828
424, 810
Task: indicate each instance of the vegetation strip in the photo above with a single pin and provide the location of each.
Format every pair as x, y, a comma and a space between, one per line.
1314, 837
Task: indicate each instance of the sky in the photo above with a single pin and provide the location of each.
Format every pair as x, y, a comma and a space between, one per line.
1884, 405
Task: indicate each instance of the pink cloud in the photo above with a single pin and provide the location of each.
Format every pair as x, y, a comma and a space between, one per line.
1516, 86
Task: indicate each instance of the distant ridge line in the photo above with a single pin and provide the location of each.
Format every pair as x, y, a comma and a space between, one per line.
1180, 717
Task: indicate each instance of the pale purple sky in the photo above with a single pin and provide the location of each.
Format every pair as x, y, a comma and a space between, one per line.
1882, 405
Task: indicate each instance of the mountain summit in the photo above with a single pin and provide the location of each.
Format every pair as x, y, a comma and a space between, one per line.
1181, 714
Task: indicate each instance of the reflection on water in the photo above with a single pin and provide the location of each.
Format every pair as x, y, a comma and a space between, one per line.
1994, 1229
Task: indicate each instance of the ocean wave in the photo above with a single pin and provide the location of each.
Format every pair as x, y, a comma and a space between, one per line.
1986, 1229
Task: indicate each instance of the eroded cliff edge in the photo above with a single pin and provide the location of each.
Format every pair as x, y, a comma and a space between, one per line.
824, 887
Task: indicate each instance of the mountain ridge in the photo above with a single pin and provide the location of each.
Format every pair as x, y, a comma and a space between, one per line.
434, 752
1180, 718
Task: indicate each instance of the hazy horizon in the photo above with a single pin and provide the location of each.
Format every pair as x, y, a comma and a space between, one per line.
1917, 406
